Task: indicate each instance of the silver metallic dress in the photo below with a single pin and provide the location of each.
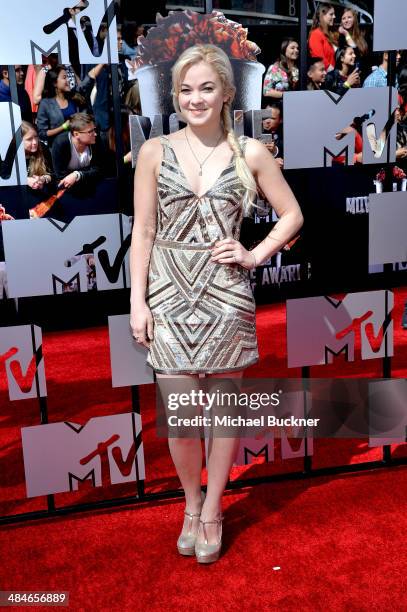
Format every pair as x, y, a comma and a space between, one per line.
203, 311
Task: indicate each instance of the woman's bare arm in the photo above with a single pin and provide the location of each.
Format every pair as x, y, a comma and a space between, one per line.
39, 85
144, 229
277, 191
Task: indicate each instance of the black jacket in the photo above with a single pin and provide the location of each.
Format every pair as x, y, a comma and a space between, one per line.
61, 156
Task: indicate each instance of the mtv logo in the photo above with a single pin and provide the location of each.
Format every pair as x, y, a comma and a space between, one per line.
389, 25
43, 255
13, 169
387, 227
22, 362
316, 122
320, 328
106, 450
127, 358
46, 31
250, 448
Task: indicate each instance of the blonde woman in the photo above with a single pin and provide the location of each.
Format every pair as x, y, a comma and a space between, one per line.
192, 189
38, 163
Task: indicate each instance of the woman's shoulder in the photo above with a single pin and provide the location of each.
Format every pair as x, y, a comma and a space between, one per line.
318, 36
151, 151
152, 145
252, 149
47, 103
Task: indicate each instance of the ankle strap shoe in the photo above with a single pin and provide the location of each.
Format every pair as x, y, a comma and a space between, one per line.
205, 552
186, 542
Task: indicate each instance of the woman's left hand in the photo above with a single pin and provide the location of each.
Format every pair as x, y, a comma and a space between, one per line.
231, 251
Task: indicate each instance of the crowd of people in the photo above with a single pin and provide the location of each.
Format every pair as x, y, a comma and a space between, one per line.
340, 58
67, 112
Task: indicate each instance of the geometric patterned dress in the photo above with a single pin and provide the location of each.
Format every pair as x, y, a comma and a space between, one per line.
203, 311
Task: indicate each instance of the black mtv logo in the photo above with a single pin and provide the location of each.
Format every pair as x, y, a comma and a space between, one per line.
90, 33
110, 269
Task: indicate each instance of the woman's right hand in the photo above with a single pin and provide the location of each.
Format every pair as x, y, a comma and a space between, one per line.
354, 78
141, 323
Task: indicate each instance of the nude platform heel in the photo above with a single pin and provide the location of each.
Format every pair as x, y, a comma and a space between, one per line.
186, 542
208, 553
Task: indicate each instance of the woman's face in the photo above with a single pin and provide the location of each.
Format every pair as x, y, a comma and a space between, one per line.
347, 20
201, 95
292, 52
62, 83
30, 141
328, 19
349, 57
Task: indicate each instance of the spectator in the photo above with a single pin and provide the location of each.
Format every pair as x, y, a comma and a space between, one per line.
378, 78
75, 157
322, 41
60, 104
50, 63
131, 32
23, 97
56, 109
38, 162
350, 33
316, 74
283, 75
132, 100
401, 151
402, 87
345, 76
272, 126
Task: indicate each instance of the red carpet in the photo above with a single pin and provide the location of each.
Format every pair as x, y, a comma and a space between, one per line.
338, 540
340, 544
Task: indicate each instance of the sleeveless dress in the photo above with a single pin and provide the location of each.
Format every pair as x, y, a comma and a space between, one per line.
203, 311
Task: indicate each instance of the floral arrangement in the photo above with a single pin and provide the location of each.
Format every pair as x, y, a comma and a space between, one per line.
398, 174
183, 29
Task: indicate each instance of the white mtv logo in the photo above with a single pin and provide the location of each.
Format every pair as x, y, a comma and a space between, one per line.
44, 30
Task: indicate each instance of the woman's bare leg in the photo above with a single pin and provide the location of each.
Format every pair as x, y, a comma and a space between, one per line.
221, 455
186, 454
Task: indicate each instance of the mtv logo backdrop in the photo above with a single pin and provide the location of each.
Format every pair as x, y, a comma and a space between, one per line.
12, 158
31, 28
319, 328
387, 227
48, 257
106, 450
389, 26
22, 362
127, 358
290, 448
314, 124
